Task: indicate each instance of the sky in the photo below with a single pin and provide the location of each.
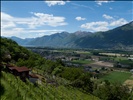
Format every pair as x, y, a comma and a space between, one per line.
31, 19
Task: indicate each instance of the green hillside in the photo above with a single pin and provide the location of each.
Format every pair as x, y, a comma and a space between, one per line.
15, 89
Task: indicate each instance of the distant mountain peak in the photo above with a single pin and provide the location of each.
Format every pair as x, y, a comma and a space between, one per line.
131, 23
82, 33
64, 32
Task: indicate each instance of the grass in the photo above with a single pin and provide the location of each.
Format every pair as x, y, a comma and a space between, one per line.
120, 58
84, 52
116, 76
64, 51
82, 61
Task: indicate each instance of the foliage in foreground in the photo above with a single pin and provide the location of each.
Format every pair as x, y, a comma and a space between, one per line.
15, 89
115, 91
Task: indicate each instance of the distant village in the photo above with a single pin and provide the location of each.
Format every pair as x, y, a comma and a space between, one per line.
92, 62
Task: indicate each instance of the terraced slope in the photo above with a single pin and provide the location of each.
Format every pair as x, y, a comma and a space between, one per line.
15, 89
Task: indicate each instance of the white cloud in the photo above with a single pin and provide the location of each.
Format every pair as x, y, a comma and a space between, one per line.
43, 31
6, 21
80, 18
12, 32
5, 16
118, 22
27, 33
96, 26
107, 16
103, 25
68, 1
53, 3
84, 6
39, 19
49, 19
17, 26
100, 2
110, 8
7, 24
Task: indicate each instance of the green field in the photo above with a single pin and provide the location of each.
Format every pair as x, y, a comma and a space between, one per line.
116, 76
82, 61
83, 52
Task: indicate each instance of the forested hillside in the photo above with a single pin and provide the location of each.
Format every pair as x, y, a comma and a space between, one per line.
12, 53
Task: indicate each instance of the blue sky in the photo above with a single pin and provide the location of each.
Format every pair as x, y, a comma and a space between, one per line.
30, 19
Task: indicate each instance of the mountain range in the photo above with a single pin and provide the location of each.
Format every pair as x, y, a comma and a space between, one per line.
119, 37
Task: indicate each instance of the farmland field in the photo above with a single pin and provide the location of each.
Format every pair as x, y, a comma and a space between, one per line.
116, 76
83, 52
82, 61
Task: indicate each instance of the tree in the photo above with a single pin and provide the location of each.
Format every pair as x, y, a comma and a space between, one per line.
71, 73
2, 89
84, 82
110, 91
57, 70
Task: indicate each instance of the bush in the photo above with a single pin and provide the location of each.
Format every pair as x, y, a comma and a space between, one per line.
110, 91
